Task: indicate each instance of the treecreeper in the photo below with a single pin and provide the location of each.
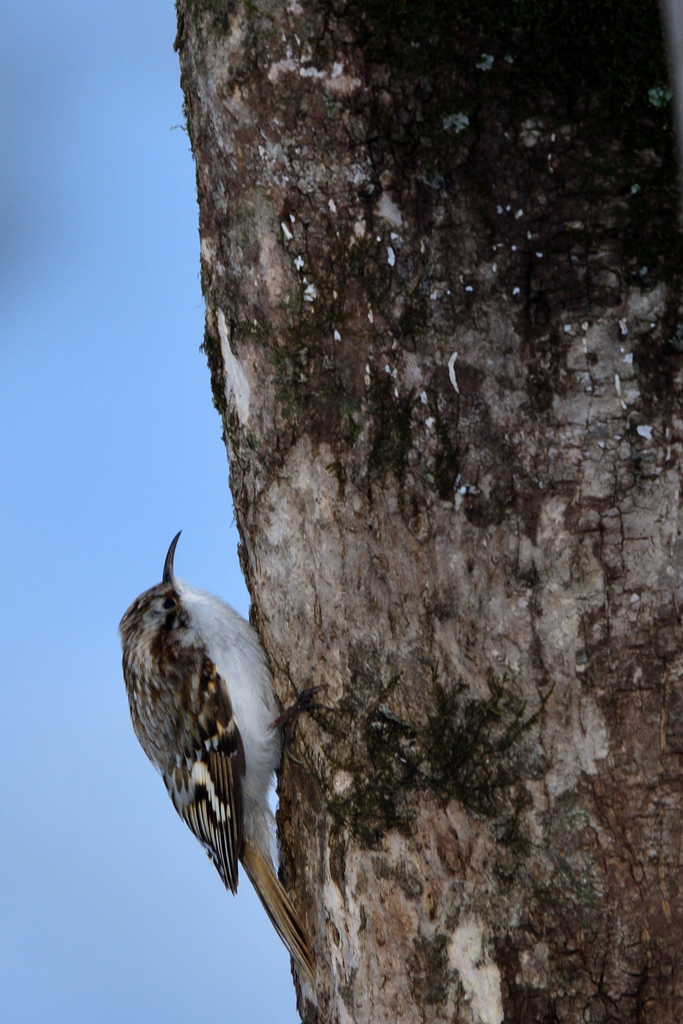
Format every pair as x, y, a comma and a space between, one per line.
204, 710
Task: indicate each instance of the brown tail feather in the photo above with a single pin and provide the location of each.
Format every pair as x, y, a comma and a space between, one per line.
278, 907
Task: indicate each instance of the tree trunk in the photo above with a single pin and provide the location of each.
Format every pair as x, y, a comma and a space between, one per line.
441, 264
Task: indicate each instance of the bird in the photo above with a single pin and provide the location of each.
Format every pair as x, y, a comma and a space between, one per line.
203, 707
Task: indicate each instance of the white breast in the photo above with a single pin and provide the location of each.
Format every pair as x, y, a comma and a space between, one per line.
235, 649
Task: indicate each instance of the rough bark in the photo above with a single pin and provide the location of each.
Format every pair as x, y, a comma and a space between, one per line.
441, 266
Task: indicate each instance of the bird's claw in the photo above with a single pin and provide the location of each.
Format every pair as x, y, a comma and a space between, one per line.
304, 703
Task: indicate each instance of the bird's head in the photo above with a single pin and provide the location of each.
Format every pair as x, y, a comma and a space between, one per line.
158, 610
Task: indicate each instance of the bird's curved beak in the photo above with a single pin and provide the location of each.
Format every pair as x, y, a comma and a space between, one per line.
168, 576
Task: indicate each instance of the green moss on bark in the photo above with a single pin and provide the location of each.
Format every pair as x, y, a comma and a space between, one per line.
391, 427
219, 11
468, 750
428, 969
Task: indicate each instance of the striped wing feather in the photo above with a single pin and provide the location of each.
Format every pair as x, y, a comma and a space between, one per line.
208, 795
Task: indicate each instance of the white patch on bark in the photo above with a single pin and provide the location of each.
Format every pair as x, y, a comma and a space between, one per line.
207, 250
236, 383
342, 85
337, 82
389, 211
342, 783
451, 371
458, 121
344, 920
593, 746
647, 305
311, 72
534, 965
578, 744
529, 134
480, 977
279, 68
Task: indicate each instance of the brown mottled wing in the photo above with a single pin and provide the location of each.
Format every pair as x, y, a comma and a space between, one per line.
208, 793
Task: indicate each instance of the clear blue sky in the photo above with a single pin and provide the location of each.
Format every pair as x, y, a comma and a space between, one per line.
109, 909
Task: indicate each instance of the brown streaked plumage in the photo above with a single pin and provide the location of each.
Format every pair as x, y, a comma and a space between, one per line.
202, 705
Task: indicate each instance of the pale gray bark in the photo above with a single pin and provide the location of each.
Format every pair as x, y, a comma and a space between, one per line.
451, 394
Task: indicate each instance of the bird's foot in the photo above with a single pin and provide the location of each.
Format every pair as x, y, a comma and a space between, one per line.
304, 703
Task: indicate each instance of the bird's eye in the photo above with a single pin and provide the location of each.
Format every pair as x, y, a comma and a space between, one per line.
169, 603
